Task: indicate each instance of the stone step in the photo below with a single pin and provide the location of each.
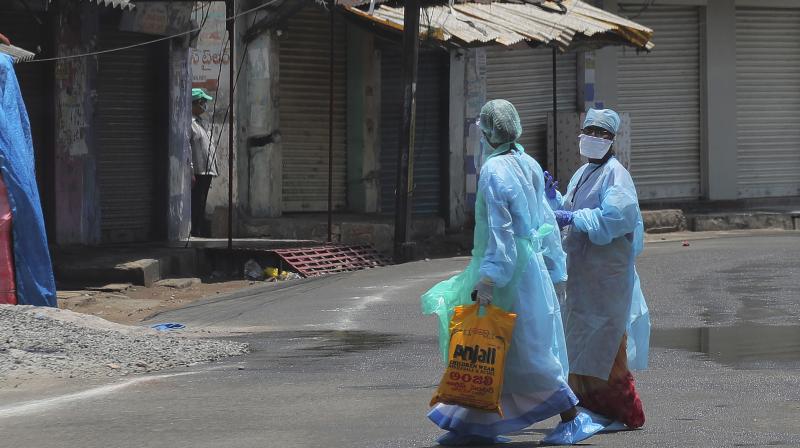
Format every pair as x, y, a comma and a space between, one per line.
138, 267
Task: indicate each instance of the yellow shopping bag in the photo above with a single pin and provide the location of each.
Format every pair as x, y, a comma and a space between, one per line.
478, 347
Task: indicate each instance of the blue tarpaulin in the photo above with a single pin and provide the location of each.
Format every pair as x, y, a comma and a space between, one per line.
34, 270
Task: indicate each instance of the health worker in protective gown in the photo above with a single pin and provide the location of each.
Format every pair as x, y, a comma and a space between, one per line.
606, 320
517, 256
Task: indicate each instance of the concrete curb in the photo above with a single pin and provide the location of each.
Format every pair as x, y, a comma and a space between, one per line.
744, 221
664, 221
675, 220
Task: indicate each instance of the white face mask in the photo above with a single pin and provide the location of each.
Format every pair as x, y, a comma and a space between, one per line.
594, 147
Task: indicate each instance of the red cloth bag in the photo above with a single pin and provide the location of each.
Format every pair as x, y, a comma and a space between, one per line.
8, 292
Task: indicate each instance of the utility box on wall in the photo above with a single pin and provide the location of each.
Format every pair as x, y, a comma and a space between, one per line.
569, 157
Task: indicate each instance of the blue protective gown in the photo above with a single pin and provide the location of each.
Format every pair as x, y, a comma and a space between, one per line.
515, 246
604, 298
32, 266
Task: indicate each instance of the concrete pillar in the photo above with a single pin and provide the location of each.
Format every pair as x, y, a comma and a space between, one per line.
261, 163
180, 152
474, 99
719, 64
597, 73
363, 121
459, 127
77, 192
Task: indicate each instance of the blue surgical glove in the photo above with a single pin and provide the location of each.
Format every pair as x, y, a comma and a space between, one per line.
563, 218
550, 185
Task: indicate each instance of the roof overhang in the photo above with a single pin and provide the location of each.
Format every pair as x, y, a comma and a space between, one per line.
17, 54
565, 25
121, 4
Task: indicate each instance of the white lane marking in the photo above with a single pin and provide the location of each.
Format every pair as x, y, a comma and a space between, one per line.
34, 406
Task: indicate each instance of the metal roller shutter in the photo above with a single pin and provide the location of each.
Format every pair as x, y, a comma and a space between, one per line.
768, 101
304, 105
126, 137
661, 91
430, 128
525, 78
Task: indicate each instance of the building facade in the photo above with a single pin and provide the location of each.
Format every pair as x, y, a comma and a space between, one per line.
109, 128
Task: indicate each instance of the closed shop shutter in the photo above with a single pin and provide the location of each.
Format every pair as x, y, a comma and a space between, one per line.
525, 78
431, 129
126, 112
36, 83
304, 106
768, 101
661, 91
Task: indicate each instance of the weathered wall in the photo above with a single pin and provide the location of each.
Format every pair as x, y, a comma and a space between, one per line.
474, 99
260, 165
76, 195
363, 121
459, 124
179, 184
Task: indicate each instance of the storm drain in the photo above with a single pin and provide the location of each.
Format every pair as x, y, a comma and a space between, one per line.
331, 259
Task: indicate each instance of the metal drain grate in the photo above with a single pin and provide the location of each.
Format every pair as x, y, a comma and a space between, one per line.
331, 259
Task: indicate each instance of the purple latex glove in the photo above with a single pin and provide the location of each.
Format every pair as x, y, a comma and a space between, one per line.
563, 218
550, 185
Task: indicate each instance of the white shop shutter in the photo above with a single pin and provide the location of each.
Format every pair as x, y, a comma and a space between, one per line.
661, 91
768, 101
525, 78
304, 84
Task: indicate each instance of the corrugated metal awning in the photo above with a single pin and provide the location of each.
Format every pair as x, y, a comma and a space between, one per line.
17, 54
508, 24
121, 4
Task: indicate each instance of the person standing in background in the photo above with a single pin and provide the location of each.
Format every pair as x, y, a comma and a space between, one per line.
204, 161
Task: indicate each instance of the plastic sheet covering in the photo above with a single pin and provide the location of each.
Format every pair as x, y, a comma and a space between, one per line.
34, 271
8, 293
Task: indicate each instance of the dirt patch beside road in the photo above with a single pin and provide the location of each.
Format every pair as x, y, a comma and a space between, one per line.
127, 304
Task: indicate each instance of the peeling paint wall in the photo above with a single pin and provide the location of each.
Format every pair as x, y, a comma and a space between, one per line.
261, 162
457, 195
180, 155
77, 204
363, 121
474, 99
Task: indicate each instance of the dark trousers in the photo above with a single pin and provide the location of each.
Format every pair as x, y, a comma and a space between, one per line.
199, 197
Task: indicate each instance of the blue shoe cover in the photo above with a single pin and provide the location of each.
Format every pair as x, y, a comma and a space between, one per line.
609, 425
615, 426
454, 439
576, 430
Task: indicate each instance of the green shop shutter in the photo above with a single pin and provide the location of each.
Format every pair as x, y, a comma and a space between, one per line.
431, 129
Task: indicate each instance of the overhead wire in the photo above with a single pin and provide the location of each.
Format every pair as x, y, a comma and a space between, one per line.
641, 11
152, 41
235, 84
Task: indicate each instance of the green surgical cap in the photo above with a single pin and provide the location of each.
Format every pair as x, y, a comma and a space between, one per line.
500, 122
602, 118
200, 94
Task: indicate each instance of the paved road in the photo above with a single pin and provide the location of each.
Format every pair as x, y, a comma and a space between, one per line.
348, 361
